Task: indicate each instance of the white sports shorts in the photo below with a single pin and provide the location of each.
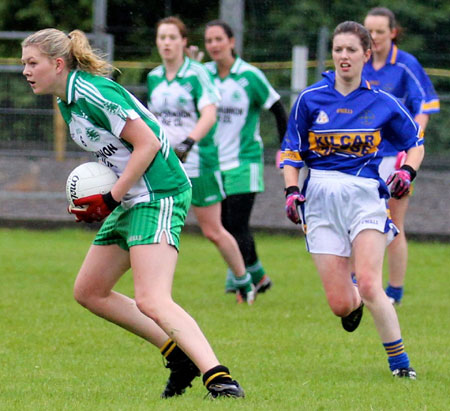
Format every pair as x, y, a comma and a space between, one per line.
387, 167
338, 207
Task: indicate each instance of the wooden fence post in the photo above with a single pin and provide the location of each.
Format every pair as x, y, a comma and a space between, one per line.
59, 132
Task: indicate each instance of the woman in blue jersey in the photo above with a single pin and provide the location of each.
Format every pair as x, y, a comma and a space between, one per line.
182, 95
245, 91
399, 73
144, 211
338, 128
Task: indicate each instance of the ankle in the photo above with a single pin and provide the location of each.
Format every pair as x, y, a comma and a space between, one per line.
216, 374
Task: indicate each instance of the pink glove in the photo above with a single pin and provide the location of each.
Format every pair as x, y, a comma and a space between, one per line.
99, 206
293, 202
400, 181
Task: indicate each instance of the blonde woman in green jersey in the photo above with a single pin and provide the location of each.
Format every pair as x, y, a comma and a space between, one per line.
151, 185
183, 96
245, 91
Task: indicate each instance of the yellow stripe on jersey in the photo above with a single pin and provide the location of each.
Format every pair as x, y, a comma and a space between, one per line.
357, 143
290, 155
432, 105
394, 54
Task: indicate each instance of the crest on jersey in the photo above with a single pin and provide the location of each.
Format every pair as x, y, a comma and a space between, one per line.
182, 101
92, 134
113, 108
322, 118
367, 117
236, 96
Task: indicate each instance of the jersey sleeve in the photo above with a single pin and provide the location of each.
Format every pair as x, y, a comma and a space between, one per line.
264, 94
150, 88
422, 98
153, 80
297, 129
207, 93
107, 105
401, 131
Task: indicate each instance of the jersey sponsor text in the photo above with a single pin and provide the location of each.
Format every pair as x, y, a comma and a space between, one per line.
354, 143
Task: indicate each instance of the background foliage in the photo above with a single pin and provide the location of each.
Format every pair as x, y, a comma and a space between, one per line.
268, 23
272, 27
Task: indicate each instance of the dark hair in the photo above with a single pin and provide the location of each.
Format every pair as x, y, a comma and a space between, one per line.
226, 28
392, 21
358, 30
175, 21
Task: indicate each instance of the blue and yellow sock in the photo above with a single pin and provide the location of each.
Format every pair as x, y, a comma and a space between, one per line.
397, 356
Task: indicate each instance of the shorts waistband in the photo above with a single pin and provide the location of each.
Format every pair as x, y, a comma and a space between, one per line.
330, 174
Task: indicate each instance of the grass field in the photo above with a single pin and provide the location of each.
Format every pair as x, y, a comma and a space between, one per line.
288, 351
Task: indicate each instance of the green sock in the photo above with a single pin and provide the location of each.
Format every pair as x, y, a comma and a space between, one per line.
256, 271
243, 282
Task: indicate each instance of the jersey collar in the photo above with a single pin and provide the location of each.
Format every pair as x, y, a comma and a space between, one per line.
330, 77
184, 67
70, 86
233, 70
235, 67
182, 70
391, 57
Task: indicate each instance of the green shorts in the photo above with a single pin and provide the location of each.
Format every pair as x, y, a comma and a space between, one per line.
146, 223
207, 189
247, 178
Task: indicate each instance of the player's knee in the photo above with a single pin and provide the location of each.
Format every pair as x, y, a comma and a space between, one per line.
88, 297
151, 308
212, 234
82, 296
368, 287
146, 307
340, 307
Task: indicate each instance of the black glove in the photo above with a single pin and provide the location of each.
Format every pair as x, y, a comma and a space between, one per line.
182, 149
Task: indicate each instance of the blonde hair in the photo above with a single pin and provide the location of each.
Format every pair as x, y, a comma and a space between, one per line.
74, 48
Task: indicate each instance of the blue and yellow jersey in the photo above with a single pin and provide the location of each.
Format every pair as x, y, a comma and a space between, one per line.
404, 77
329, 131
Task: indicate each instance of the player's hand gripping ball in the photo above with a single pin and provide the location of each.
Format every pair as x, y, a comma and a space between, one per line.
294, 200
88, 192
98, 207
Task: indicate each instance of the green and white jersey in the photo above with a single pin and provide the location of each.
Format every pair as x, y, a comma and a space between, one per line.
96, 111
177, 105
244, 92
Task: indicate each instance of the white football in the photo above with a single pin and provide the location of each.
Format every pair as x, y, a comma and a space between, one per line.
89, 179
